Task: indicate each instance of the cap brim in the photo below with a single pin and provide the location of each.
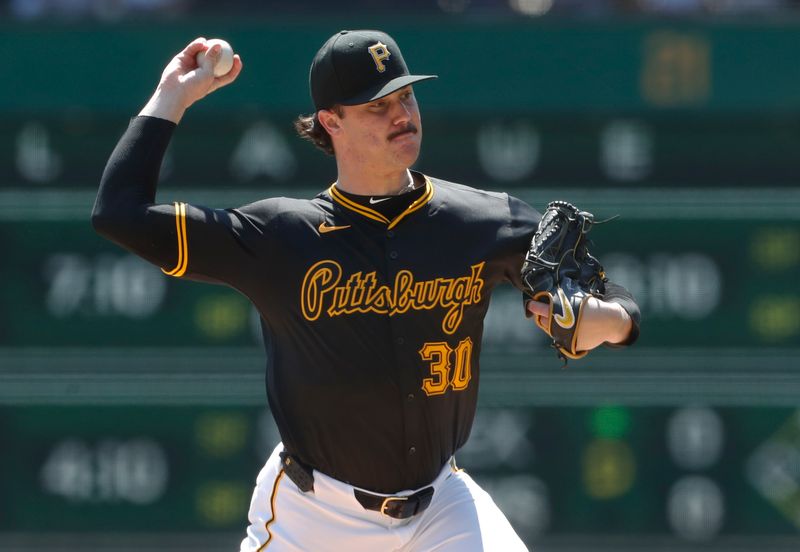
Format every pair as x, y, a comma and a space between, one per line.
392, 86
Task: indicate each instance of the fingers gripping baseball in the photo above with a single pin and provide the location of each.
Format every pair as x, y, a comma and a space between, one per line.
188, 78
193, 74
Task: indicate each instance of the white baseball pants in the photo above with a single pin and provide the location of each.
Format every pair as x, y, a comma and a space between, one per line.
461, 517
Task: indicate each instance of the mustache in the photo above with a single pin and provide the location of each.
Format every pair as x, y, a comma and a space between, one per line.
410, 127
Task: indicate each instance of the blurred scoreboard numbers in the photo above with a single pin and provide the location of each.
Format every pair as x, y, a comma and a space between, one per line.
257, 149
696, 472
675, 108
700, 283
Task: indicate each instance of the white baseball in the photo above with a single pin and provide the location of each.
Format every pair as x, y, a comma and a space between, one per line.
225, 59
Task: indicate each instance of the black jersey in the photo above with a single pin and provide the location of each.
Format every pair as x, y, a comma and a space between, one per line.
372, 326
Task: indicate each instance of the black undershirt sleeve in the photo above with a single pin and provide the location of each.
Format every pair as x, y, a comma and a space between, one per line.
125, 211
186, 241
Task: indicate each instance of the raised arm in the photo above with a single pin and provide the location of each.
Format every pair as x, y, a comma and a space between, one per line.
125, 211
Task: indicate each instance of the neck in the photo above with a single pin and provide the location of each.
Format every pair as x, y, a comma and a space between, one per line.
389, 183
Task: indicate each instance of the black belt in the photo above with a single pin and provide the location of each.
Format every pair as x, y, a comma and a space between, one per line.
398, 507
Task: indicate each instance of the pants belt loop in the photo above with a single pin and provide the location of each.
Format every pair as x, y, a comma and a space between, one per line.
300, 475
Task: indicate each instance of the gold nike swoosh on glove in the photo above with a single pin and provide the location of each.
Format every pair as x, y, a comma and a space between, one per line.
567, 320
324, 228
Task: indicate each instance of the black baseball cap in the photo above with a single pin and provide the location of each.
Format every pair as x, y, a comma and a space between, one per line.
355, 67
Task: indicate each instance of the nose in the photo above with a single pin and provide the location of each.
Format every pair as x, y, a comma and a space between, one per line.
401, 114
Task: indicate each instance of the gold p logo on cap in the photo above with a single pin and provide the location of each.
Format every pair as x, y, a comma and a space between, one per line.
379, 53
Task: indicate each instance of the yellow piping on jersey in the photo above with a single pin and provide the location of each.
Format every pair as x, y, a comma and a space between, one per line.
422, 200
183, 245
271, 520
375, 215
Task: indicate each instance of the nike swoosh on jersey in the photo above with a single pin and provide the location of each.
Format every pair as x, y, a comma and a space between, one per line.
567, 320
324, 228
373, 201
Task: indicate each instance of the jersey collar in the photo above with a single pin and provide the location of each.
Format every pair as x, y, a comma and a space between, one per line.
363, 210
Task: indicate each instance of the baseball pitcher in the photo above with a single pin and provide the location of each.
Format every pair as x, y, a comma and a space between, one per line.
372, 297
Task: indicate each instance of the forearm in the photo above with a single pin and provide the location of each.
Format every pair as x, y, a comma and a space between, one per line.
612, 321
601, 323
617, 294
128, 185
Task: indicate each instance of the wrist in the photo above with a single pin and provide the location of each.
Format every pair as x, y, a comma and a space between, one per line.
624, 325
164, 105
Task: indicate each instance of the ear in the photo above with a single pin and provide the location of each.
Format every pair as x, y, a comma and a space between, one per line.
329, 121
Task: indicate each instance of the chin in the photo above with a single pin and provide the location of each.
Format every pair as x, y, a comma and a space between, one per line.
409, 153
406, 161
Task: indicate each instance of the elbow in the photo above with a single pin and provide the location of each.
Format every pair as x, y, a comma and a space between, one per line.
109, 224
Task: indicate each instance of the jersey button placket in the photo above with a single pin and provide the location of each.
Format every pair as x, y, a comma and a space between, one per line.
412, 413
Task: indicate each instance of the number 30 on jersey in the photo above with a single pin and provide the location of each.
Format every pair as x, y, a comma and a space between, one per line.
450, 368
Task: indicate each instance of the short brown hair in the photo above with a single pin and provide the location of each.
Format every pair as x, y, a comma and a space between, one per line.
309, 128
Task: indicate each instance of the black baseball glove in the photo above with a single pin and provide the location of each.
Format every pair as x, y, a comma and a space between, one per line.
559, 270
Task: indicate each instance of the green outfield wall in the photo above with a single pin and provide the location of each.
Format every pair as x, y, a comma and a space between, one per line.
132, 405
518, 65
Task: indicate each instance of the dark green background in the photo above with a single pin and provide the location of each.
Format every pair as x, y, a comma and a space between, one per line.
716, 105
483, 64
683, 151
559, 437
